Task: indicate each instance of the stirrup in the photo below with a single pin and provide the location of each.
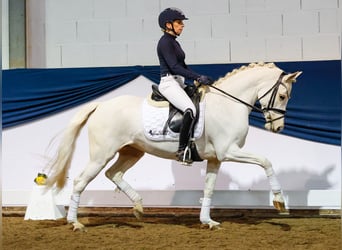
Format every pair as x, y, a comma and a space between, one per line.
184, 156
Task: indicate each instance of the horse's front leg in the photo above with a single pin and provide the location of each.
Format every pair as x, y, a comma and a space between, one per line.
210, 180
238, 155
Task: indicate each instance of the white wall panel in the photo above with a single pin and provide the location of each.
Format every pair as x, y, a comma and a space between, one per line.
255, 5
301, 23
211, 7
229, 26
151, 30
93, 31
206, 50
283, 48
281, 5
319, 4
243, 50
76, 55
109, 9
142, 9
126, 29
61, 32
187, 6
190, 48
137, 21
69, 9
264, 25
109, 54
237, 6
141, 50
54, 56
328, 21
322, 47
194, 31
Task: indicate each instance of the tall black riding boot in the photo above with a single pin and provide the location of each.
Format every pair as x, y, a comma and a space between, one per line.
184, 152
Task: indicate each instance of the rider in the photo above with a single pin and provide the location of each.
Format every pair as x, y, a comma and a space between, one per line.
173, 72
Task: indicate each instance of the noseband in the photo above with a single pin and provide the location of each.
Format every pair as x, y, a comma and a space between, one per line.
270, 104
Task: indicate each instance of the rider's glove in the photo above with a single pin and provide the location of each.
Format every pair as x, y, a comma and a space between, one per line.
205, 80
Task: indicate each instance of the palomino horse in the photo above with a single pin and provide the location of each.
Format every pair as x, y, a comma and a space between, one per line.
115, 126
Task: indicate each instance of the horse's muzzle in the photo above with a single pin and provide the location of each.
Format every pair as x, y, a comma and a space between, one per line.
274, 124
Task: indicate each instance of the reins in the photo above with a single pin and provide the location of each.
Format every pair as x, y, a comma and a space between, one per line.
237, 99
270, 104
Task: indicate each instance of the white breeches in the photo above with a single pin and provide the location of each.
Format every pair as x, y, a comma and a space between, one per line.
172, 87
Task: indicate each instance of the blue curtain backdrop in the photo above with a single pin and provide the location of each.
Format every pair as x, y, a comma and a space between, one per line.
313, 110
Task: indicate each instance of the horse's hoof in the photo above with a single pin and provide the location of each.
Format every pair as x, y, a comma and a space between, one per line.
280, 206
212, 224
78, 227
138, 211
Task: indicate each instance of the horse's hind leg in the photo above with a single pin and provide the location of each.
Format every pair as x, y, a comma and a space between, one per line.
80, 183
128, 156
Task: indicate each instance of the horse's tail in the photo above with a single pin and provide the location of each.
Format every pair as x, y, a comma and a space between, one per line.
60, 164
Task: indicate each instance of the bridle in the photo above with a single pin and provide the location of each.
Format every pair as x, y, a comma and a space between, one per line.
273, 90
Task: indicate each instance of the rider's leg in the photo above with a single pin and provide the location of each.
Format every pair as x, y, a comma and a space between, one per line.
184, 137
172, 88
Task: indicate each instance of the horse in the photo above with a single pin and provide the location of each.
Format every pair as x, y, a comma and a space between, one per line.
115, 127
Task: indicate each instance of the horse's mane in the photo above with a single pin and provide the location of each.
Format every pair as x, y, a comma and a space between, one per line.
243, 68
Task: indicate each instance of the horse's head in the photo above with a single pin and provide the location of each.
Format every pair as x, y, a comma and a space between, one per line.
274, 100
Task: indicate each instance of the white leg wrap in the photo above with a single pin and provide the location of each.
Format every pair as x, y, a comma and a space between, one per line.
128, 190
275, 186
73, 206
205, 213
205, 210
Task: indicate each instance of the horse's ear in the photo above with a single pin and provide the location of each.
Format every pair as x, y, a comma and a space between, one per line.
291, 77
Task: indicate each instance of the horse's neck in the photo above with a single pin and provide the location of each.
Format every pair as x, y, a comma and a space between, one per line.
246, 84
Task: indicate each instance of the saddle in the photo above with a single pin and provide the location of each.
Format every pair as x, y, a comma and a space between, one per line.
174, 121
175, 117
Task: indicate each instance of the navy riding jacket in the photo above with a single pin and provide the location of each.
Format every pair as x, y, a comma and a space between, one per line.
172, 58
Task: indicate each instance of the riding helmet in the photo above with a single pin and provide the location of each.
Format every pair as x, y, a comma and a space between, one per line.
169, 15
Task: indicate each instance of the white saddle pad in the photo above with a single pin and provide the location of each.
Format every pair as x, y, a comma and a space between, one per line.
154, 119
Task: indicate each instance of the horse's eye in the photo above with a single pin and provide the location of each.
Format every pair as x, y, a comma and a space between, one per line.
282, 97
